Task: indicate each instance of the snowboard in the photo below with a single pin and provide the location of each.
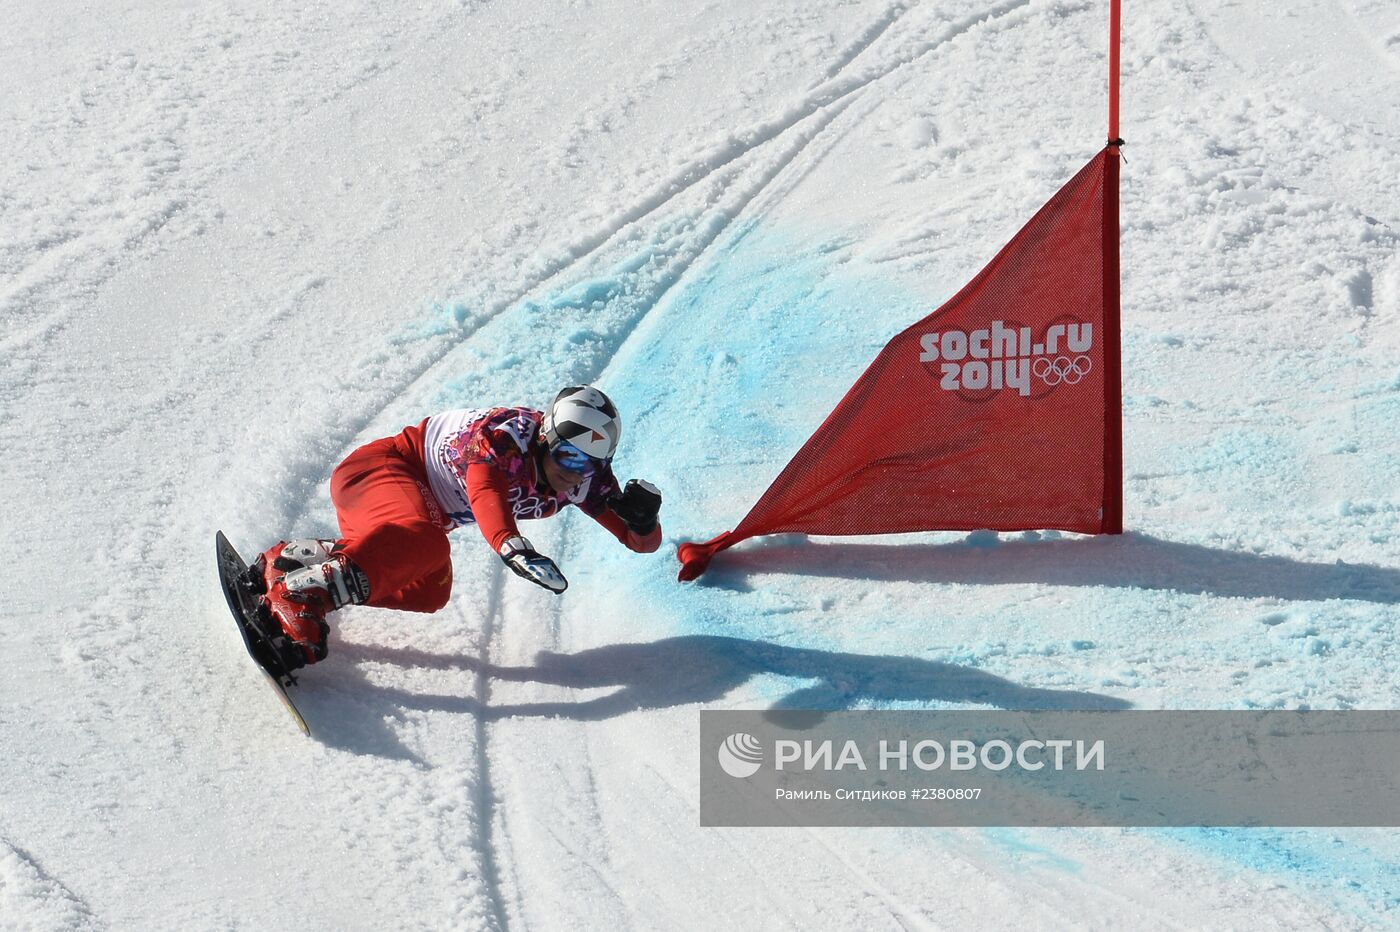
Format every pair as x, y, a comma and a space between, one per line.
242, 595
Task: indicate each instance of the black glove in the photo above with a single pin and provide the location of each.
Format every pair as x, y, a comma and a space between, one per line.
637, 506
525, 562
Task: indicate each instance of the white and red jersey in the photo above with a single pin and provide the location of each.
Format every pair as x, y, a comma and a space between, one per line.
482, 466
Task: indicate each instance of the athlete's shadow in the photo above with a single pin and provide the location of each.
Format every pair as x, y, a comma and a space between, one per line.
1127, 561
702, 669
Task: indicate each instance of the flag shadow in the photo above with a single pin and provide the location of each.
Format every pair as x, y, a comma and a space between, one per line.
1135, 561
701, 669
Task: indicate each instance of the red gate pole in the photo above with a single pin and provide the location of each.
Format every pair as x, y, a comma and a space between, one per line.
1112, 298
1115, 30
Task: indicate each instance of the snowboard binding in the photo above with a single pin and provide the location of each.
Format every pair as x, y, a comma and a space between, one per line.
272, 649
244, 592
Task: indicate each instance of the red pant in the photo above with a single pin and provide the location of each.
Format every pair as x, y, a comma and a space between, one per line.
391, 526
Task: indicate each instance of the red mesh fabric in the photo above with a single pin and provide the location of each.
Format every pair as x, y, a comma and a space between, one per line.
1000, 410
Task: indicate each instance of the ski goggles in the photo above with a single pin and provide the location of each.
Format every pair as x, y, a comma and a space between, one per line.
573, 459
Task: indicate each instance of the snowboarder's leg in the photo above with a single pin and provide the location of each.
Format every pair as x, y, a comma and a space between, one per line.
393, 553
408, 564
427, 595
388, 521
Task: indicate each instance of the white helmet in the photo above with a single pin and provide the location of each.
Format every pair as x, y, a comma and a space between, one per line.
584, 418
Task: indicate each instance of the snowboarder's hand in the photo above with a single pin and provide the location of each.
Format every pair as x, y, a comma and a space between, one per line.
637, 506
525, 562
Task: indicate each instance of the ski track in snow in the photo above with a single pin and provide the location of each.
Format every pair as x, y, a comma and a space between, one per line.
486, 812
43, 902
868, 37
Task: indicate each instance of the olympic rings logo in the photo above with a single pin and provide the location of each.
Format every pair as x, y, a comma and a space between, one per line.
530, 506
1061, 369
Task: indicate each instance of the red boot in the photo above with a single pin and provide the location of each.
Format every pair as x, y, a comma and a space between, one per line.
305, 581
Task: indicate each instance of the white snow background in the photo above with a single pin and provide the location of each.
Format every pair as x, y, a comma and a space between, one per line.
239, 237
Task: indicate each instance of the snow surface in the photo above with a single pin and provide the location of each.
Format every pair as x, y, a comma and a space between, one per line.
238, 238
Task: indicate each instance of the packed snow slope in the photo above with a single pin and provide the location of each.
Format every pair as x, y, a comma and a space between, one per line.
241, 237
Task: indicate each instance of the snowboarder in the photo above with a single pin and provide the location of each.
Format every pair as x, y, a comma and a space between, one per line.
396, 499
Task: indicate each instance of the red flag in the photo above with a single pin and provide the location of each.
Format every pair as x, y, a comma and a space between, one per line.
1000, 410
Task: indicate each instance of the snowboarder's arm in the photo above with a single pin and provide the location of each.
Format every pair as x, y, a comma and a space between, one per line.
489, 494
641, 543
629, 515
